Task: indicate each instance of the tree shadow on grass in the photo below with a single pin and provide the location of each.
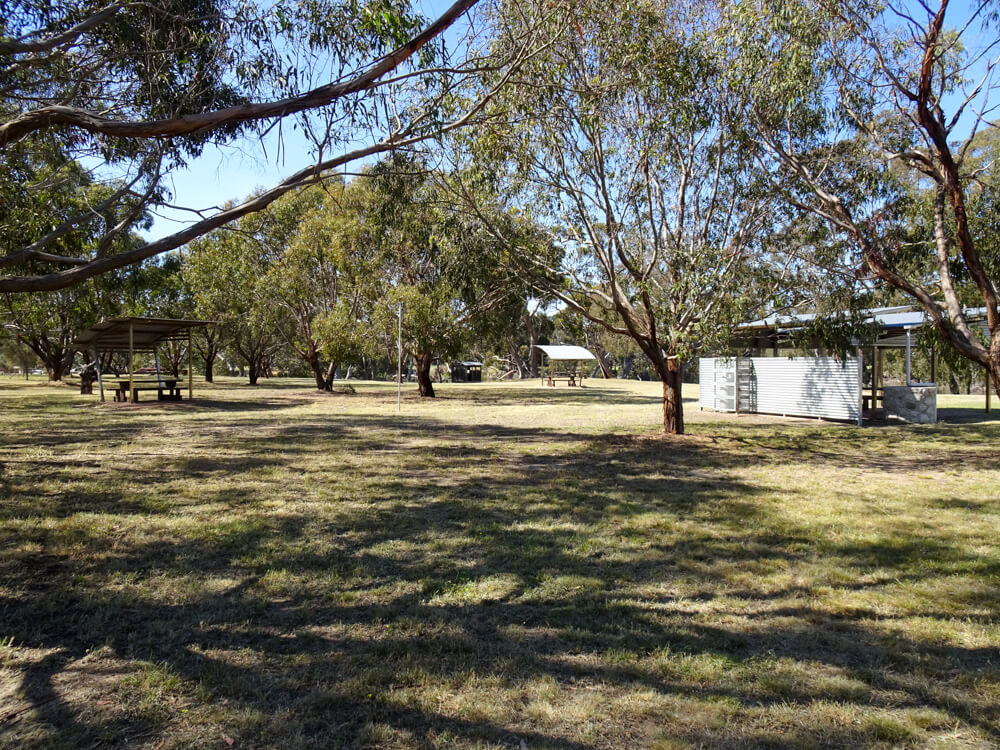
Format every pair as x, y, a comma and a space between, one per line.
609, 565
964, 416
544, 395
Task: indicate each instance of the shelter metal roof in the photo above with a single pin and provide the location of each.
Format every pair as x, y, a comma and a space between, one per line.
146, 333
565, 352
885, 317
888, 317
470, 364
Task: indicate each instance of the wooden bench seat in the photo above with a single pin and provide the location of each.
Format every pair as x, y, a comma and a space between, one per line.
168, 390
570, 379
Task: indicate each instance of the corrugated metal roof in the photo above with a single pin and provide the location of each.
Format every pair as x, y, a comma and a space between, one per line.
565, 352
146, 332
887, 317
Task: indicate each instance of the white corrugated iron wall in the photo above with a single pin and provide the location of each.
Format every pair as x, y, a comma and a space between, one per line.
706, 382
800, 386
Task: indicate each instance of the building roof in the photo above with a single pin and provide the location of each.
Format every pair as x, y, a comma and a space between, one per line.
146, 333
893, 322
887, 317
565, 352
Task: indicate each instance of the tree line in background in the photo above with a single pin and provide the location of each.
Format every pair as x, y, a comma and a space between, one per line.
658, 171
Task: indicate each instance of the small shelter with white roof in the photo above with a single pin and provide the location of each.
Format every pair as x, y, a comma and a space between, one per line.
564, 354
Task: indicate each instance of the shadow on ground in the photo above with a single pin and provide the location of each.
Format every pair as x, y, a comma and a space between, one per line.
337, 582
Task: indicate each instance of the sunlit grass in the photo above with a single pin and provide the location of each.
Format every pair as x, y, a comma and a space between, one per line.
506, 563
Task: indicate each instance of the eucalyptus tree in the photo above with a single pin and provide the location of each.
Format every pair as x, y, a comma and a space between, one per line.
38, 188
856, 103
47, 323
303, 283
225, 271
13, 353
405, 246
624, 141
138, 90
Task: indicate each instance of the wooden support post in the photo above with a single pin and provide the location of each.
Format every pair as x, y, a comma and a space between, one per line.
861, 387
190, 368
874, 378
131, 362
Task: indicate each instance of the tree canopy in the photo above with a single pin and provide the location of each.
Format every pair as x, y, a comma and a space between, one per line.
860, 106
124, 94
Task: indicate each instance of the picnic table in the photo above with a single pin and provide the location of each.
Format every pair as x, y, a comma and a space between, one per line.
571, 379
167, 389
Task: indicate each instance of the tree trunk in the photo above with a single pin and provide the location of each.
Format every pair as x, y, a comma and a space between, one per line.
673, 406
534, 358
331, 373
627, 365
534, 354
56, 359
254, 374
208, 355
424, 360
56, 368
602, 362
516, 362
312, 358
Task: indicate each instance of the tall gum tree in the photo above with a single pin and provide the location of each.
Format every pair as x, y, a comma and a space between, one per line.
226, 272
622, 140
856, 102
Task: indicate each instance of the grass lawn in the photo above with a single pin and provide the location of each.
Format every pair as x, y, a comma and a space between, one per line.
502, 567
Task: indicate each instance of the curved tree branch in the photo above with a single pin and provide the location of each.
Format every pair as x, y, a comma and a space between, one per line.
59, 115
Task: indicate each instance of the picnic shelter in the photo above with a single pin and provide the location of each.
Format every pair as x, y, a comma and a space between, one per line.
140, 335
565, 372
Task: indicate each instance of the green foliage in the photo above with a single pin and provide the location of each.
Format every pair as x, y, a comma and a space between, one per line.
403, 241
224, 271
869, 113
622, 140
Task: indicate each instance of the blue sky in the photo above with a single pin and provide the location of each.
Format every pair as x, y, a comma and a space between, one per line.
228, 174
221, 175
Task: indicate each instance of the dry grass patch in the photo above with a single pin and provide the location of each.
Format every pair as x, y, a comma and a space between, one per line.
503, 565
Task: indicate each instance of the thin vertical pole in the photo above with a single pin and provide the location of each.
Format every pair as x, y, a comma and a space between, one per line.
933, 364
907, 356
190, 368
987, 374
399, 359
156, 360
131, 363
100, 378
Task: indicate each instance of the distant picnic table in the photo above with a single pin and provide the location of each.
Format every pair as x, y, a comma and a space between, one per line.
571, 378
166, 389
